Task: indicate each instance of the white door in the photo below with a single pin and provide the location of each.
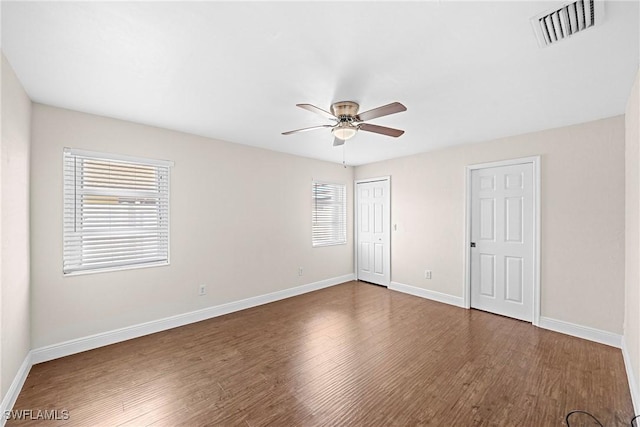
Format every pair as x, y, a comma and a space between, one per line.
502, 261
373, 224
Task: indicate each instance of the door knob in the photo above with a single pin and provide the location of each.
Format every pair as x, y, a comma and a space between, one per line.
473, 244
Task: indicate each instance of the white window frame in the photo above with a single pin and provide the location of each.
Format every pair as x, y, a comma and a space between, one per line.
74, 249
341, 240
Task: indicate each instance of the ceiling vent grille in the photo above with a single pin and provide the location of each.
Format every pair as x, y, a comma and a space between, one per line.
553, 26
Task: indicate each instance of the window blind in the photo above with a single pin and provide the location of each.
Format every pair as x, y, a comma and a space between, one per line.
116, 212
329, 214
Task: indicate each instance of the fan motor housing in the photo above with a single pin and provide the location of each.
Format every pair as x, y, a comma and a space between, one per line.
345, 108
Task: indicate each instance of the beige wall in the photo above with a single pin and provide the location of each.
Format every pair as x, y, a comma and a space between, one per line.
582, 214
14, 225
240, 223
632, 235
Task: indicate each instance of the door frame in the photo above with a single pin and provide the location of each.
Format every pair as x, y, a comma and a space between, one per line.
356, 214
535, 161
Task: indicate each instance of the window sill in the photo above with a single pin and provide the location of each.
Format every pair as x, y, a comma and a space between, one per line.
112, 269
322, 245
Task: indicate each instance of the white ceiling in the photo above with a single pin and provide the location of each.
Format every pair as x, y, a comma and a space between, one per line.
467, 71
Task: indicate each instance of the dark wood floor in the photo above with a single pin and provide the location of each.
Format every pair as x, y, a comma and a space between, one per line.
353, 354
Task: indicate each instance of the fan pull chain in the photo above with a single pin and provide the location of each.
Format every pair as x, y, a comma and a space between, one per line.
344, 149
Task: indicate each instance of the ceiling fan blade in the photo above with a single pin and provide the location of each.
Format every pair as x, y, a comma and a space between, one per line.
306, 129
385, 110
337, 141
381, 130
317, 110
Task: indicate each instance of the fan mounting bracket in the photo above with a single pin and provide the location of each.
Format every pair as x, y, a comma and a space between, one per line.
345, 109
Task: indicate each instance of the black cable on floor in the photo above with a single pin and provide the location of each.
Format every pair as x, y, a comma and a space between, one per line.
632, 423
581, 412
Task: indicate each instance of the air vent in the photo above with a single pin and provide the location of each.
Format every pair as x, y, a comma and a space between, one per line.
558, 24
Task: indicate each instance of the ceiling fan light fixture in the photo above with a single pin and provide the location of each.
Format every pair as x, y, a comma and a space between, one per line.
348, 121
344, 131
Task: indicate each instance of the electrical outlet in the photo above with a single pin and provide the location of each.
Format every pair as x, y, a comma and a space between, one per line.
202, 290
427, 274
299, 271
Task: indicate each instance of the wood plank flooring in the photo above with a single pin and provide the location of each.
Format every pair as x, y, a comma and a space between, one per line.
352, 354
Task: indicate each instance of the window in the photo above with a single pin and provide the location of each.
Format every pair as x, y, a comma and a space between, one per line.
329, 214
116, 212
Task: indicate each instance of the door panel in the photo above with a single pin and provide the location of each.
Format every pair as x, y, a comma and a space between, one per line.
487, 182
513, 278
487, 219
502, 230
378, 218
373, 231
487, 275
514, 221
513, 181
364, 218
378, 257
364, 257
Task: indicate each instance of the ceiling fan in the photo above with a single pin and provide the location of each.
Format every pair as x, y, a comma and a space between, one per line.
349, 122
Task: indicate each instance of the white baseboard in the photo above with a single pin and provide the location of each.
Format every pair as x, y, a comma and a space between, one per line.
425, 293
631, 378
91, 342
584, 332
14, 390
